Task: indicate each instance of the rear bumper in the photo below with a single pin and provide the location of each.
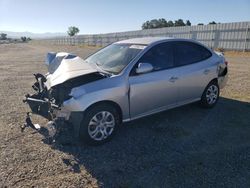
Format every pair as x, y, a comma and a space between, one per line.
223, 77
222, 81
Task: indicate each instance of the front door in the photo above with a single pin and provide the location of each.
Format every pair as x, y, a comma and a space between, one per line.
153, 91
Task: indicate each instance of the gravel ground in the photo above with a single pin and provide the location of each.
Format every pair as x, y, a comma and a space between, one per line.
184, 147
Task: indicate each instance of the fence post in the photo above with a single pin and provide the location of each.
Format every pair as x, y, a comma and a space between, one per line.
216, 38
246, 38
194, 35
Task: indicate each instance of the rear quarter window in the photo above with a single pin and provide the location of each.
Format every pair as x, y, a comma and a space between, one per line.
189, 52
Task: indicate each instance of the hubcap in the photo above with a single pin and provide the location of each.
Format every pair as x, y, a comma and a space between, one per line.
101, 125
212, 94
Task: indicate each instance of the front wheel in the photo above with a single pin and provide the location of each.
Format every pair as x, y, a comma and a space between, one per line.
210, 95
99, 124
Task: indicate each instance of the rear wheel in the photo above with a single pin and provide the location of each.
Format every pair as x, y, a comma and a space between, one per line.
99, 124
210, 95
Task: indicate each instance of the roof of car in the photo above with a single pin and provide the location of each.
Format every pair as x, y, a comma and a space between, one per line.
144, 40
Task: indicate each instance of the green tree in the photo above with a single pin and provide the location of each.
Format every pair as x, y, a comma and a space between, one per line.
212, 23
72, 31
160, 23
163, 22
155, 23
24, 39
200, 24
3, 36
188, 23
145, 25
152, 24
170, 23
179, 22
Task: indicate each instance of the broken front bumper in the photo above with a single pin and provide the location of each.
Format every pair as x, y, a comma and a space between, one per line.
46, 108
39, 102
42, 103
58, 129
40, 106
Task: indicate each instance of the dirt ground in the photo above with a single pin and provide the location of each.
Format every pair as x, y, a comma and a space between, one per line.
184, 147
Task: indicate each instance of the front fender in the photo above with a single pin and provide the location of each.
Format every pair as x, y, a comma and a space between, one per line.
117, 95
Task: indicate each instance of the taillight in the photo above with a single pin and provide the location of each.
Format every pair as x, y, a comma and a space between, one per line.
226, 62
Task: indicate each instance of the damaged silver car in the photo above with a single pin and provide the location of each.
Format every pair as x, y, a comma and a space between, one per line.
124, 81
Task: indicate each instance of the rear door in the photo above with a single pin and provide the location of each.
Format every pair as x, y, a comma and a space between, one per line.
195, 70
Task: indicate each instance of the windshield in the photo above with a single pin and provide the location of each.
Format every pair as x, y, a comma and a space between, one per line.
114, 57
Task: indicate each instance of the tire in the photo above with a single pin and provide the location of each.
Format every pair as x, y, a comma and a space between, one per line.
210, 95
99, 124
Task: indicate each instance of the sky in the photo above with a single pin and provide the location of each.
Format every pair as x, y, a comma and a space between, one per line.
104, 16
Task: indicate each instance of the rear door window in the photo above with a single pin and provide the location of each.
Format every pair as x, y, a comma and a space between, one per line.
188, 52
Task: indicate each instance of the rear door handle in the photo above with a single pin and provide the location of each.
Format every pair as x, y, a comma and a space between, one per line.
173, 79
206, 71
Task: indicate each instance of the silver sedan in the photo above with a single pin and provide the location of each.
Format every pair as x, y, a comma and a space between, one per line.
127, 80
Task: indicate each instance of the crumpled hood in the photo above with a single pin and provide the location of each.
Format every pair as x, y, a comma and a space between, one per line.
69, 68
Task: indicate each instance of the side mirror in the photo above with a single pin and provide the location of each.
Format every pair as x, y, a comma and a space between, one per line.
144, 68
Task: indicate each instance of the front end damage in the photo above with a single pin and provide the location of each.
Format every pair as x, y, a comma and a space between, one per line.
52, 90
41, 103
48, 104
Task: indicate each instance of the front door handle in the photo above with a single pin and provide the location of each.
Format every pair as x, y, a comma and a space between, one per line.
173, 79
206, 71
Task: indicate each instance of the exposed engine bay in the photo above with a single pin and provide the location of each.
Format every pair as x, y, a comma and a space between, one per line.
45, 100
